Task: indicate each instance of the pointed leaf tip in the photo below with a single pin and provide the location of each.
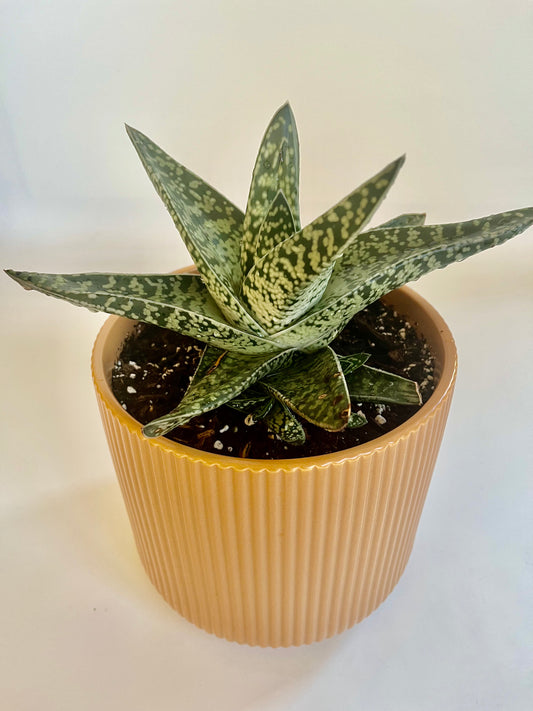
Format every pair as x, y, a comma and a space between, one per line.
132, 132
152, 431
179, 302
230, 376
368, 384
399, 162
277, 226
283, 423
285, 107
20, 278
277, 166
210, 225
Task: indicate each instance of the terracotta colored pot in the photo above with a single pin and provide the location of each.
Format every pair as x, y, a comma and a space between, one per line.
282, 552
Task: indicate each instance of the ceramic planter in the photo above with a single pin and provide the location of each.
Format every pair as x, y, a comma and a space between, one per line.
283, 552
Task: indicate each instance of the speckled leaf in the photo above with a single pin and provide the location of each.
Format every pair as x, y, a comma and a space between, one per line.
281, 421
382, 260
287, 281
260, 300
414, 219
231, 376
261, 409
357, 419
208, 360
277, 167
372, 385
179, 302
315, 388
351, 362
249, 399
210, 225
277, 226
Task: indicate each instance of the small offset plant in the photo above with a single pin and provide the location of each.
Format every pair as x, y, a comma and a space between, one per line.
270, 296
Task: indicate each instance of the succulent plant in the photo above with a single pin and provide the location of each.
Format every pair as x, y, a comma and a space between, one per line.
270, 296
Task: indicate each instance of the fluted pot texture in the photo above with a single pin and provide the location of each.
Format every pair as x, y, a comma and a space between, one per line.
277, 552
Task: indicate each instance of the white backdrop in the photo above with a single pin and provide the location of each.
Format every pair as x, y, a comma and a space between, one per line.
450, 84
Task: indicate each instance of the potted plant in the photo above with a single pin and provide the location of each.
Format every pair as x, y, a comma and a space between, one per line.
262, 550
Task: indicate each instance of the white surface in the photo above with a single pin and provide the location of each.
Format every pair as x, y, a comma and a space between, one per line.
450, 83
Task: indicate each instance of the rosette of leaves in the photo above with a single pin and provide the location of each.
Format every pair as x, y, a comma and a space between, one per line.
270, 296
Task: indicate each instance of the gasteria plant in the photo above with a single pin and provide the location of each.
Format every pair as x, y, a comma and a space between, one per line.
270, 295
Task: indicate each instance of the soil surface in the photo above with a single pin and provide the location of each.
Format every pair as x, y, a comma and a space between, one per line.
155, 367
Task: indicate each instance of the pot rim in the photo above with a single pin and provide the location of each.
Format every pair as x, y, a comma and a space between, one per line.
442, 341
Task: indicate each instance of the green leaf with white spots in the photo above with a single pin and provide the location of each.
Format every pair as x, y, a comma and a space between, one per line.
281, 421
351, 362
383, 259
255, 401
277, 226
414, 219
179, 302
368, 384
357, 419
210, 225
261, 409
271, 295
208, 359
314, 387
289, 279
264, 301
277, 167
231, 376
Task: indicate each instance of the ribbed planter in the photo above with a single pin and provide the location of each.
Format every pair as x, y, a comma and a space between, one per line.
283, 552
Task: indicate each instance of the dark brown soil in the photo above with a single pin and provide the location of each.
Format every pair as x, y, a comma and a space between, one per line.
155, 367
